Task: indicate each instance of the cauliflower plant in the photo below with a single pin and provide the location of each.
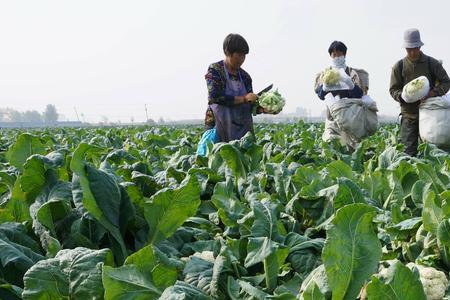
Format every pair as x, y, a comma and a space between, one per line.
434, 282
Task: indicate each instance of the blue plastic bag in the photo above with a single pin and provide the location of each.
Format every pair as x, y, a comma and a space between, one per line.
209, 136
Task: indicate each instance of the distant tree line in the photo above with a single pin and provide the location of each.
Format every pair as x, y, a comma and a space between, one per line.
49, 116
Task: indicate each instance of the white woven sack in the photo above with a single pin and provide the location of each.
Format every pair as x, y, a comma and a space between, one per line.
434, 121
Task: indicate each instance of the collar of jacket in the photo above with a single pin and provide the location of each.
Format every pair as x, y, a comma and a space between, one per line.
423, 58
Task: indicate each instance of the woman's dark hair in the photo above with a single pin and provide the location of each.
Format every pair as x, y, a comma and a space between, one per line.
337, 46
235, 43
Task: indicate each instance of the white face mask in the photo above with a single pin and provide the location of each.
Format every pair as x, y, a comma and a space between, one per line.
338, 62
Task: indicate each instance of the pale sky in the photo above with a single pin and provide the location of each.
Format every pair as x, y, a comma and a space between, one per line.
110, 58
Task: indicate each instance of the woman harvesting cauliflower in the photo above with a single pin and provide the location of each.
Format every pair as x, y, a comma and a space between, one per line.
231, 100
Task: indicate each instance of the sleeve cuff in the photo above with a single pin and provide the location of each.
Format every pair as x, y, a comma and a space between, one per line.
439, 92
229, 100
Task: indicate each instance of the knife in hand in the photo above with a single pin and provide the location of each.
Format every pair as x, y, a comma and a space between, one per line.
265, 90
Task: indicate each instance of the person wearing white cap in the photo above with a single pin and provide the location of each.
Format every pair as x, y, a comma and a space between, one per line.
414, 65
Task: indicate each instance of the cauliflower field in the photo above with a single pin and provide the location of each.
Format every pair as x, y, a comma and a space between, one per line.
132, 213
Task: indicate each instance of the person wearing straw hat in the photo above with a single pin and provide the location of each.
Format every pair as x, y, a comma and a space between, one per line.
415, 64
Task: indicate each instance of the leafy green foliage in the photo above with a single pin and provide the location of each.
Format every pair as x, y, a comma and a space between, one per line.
133, 213
399, 283
73, 273
352, 250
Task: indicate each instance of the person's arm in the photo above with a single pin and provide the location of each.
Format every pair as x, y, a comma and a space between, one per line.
260, 110
250, 97
210, 122
320, 92
356, 92
396, 84
443, 80
216, 90
216, 87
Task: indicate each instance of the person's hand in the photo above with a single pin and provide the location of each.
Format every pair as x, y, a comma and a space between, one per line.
431, 94
266, 111
250, 98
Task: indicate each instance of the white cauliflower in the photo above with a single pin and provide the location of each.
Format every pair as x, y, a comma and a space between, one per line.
416, 89
434, 282
272, 101
336, 79
330, 76
383, 272
206, 255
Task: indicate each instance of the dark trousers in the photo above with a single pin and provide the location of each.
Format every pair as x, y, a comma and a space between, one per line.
409, 134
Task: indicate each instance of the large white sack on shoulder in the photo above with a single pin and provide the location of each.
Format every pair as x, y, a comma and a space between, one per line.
434, 126
355, 118
333, 132
434, 103
349, 115
367, 100
446, 98
371, 122
330, 100
416, 89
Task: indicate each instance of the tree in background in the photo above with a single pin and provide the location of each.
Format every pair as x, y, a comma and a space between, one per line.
50, 114
32, 116
15, 116
10, 115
